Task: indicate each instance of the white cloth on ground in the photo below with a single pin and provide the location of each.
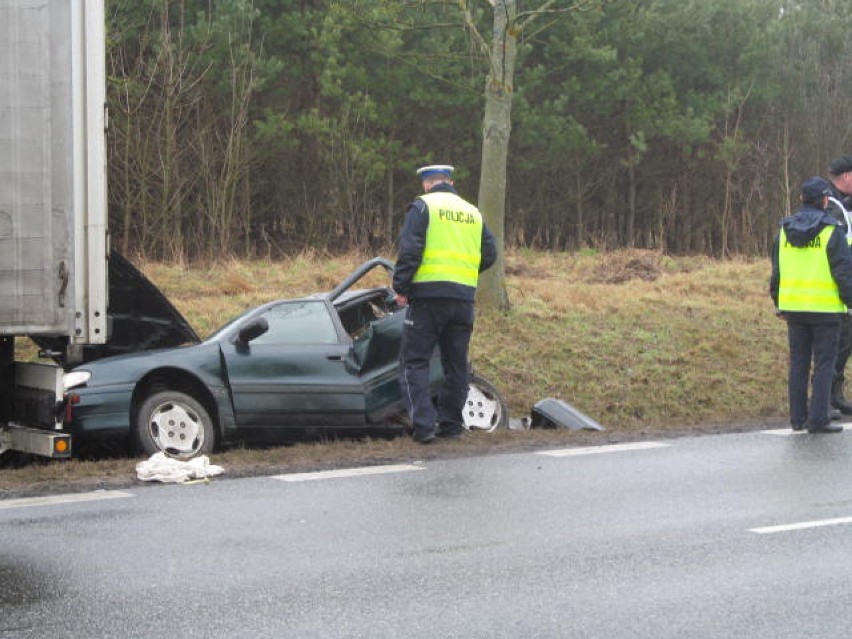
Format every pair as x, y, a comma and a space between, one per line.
159, 467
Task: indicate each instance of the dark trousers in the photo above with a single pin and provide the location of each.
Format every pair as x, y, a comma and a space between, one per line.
817, 342
448, 324
844, 348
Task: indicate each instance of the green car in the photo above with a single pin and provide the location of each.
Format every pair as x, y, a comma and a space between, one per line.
325, 362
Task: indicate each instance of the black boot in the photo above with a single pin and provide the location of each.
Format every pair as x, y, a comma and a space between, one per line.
838, 401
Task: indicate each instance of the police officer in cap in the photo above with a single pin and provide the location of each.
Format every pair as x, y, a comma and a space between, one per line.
811, 286
840, 205
443, 246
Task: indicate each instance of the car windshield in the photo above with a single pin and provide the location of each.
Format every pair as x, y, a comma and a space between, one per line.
227, 327
302, 322
291, 322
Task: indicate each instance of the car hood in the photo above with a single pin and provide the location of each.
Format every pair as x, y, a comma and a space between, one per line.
140, 317
198, 360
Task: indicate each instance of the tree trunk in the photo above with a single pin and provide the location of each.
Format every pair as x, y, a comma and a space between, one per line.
389, 235
581, 218
495, 147
630, 214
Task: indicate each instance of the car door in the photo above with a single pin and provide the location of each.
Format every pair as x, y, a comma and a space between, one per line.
376, 353
295, 374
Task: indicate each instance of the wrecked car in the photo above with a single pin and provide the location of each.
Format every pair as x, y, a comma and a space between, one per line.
324, 362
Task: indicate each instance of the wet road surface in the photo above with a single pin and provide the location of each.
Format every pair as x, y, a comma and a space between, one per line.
717, 536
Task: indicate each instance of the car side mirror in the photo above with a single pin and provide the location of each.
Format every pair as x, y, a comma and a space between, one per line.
252, 330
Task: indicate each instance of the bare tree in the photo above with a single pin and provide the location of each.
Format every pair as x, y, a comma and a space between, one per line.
509, 26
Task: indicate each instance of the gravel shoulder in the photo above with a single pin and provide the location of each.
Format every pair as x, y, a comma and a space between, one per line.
28, 476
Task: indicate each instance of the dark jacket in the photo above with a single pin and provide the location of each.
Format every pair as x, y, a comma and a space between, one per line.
801, 228
845, 200
412, 239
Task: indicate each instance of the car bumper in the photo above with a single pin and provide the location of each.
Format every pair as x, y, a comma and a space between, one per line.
100, 410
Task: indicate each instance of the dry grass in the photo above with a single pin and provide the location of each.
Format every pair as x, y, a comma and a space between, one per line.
670, 341
210, 295
639, 341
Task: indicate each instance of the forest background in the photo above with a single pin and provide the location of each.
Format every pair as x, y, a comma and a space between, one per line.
257, 128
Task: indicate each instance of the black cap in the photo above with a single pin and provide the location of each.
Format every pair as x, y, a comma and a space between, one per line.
814, 189
840, 165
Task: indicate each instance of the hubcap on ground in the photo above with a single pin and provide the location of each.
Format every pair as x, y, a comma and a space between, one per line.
481, 412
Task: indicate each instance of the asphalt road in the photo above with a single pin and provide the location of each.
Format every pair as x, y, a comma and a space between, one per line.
744, 535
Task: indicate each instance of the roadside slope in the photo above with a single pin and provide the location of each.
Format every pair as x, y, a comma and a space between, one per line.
646, 344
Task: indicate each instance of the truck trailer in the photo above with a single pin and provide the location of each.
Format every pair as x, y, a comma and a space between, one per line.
60, 284
53, 207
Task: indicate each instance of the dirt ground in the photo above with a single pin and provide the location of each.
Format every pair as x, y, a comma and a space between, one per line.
25, 476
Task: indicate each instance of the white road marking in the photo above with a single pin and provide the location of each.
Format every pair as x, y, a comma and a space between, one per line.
349, 472
802, 525
70, 498
594, 450
789, 432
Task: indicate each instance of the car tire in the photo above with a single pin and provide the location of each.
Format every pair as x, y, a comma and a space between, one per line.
173, 423
484, 408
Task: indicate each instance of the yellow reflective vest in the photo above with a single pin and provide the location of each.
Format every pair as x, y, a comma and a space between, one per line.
806, 282
453, 248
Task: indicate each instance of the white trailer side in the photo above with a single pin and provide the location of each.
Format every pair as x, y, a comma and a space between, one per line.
53, 242
53, 210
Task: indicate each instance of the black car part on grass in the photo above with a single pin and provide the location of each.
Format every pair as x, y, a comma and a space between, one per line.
556, 413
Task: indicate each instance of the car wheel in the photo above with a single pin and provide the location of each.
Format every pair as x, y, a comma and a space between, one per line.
484, 408
174, 423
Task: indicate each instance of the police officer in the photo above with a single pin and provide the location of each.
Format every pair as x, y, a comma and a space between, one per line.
443, 246
840, 205
811, 285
